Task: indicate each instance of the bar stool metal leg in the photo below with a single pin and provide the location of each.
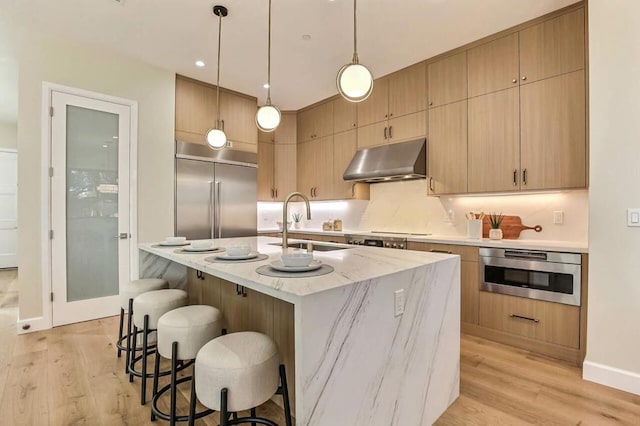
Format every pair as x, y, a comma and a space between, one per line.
145, 338
192, 398
284, 390
128, 351
132, 354
120, 326
174, 379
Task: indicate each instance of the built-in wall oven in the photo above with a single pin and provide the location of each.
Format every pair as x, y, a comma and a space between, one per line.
550, 276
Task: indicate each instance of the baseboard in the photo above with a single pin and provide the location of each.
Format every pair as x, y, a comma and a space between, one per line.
624, 380
31, 325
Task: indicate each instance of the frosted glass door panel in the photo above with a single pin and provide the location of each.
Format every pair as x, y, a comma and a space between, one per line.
92, 203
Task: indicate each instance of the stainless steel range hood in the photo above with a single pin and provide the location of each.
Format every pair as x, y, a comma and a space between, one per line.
399, 161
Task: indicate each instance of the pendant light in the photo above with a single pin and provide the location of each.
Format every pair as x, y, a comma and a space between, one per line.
268, 116
354, 80
216, 138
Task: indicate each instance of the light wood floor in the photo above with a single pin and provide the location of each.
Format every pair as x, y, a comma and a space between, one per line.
70, 375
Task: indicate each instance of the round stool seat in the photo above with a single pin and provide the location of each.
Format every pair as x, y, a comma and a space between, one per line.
245, 363
191, 326
155, 304
136, 287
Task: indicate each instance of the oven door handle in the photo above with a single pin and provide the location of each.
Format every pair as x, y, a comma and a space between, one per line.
512, 254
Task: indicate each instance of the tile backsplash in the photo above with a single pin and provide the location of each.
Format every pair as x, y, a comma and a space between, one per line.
404, 207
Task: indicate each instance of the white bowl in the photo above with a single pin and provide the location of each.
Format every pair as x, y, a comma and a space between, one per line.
297, 259
201, 245
175, 240
239, 250
280, 226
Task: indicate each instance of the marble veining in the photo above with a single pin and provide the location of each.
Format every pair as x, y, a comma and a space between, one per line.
152, 266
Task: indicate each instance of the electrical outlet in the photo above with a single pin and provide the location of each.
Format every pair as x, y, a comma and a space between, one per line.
558, 217
633, 217
398, 302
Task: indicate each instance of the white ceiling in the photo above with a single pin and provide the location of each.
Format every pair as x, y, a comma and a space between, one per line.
173, 34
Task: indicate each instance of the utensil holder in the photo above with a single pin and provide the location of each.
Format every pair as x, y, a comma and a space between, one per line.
474, 229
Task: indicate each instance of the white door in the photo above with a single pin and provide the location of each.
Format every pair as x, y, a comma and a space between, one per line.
89, 206
8, 208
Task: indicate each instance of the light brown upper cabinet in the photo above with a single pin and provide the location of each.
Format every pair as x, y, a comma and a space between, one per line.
277, 160
196, 114
553, 47
447, 80
493, 66
553, 132
372, 135
265, 171
344, 115
315, 168
494, 141
316, 122
406, 127
344, 148
448, 149
398, 94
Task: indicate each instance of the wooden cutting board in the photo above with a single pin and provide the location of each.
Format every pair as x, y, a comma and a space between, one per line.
511, 227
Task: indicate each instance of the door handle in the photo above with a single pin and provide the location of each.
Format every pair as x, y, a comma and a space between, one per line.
431, 184
385, 133
515, 177
524, 177
516, 316
122, 236
390, 132
219, 208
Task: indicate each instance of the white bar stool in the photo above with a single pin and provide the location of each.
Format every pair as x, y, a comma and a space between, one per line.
182, 333
128, 292
147, 309
240, 371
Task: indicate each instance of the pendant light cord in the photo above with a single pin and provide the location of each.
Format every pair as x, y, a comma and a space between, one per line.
269, 59
218, 75
355, 34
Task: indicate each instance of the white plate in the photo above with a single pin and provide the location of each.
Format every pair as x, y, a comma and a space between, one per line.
226, 256
279, 266
199, 249
166, 244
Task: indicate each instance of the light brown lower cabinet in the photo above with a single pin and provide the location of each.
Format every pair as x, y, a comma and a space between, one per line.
244, 309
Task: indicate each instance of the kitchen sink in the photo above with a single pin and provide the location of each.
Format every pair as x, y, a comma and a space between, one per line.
316, 247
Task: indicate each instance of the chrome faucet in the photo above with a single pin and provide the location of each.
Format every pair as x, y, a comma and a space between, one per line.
285, 205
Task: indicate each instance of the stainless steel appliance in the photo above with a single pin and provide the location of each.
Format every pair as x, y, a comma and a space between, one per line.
376, 241
398, 161
550, 276
216, 192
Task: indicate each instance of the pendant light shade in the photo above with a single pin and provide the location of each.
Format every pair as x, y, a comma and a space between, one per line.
216, 138
268, 116
354, 80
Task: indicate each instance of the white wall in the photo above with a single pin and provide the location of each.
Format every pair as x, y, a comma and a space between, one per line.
8, 135
90, 68
613, 339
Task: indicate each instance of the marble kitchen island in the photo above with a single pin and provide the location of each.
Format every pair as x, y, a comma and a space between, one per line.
356, 362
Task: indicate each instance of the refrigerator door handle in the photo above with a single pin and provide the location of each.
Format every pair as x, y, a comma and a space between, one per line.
219, 210
211, 219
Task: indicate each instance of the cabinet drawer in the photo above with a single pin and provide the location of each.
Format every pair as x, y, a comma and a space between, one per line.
550, 322
466, 253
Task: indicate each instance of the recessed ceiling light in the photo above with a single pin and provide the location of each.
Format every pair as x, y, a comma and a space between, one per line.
199, 64
266, 85
306, 37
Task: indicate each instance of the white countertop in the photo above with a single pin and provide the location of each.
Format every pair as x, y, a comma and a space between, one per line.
352, 265
547, 245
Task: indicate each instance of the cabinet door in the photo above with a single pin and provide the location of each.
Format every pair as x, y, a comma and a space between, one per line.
194, 287
448, 149
323, 120
286, 131
344, 147
284, 336
447, 80
344, 115
493, 66
553, 47
376, 107
212, 291
305, 125
553, 133
373, 135
195, 110
265, 171
494, 141
305, 168
238, 116
407, 91
469, 292
247, 311
284, 170
409, 126
322, 157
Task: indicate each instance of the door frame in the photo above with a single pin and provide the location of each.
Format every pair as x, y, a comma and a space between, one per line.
13, 151
45, 190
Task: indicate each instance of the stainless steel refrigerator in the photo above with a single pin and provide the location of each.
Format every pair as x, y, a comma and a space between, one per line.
216, 192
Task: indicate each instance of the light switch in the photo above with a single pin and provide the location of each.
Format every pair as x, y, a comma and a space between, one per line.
558, 217
633, 217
